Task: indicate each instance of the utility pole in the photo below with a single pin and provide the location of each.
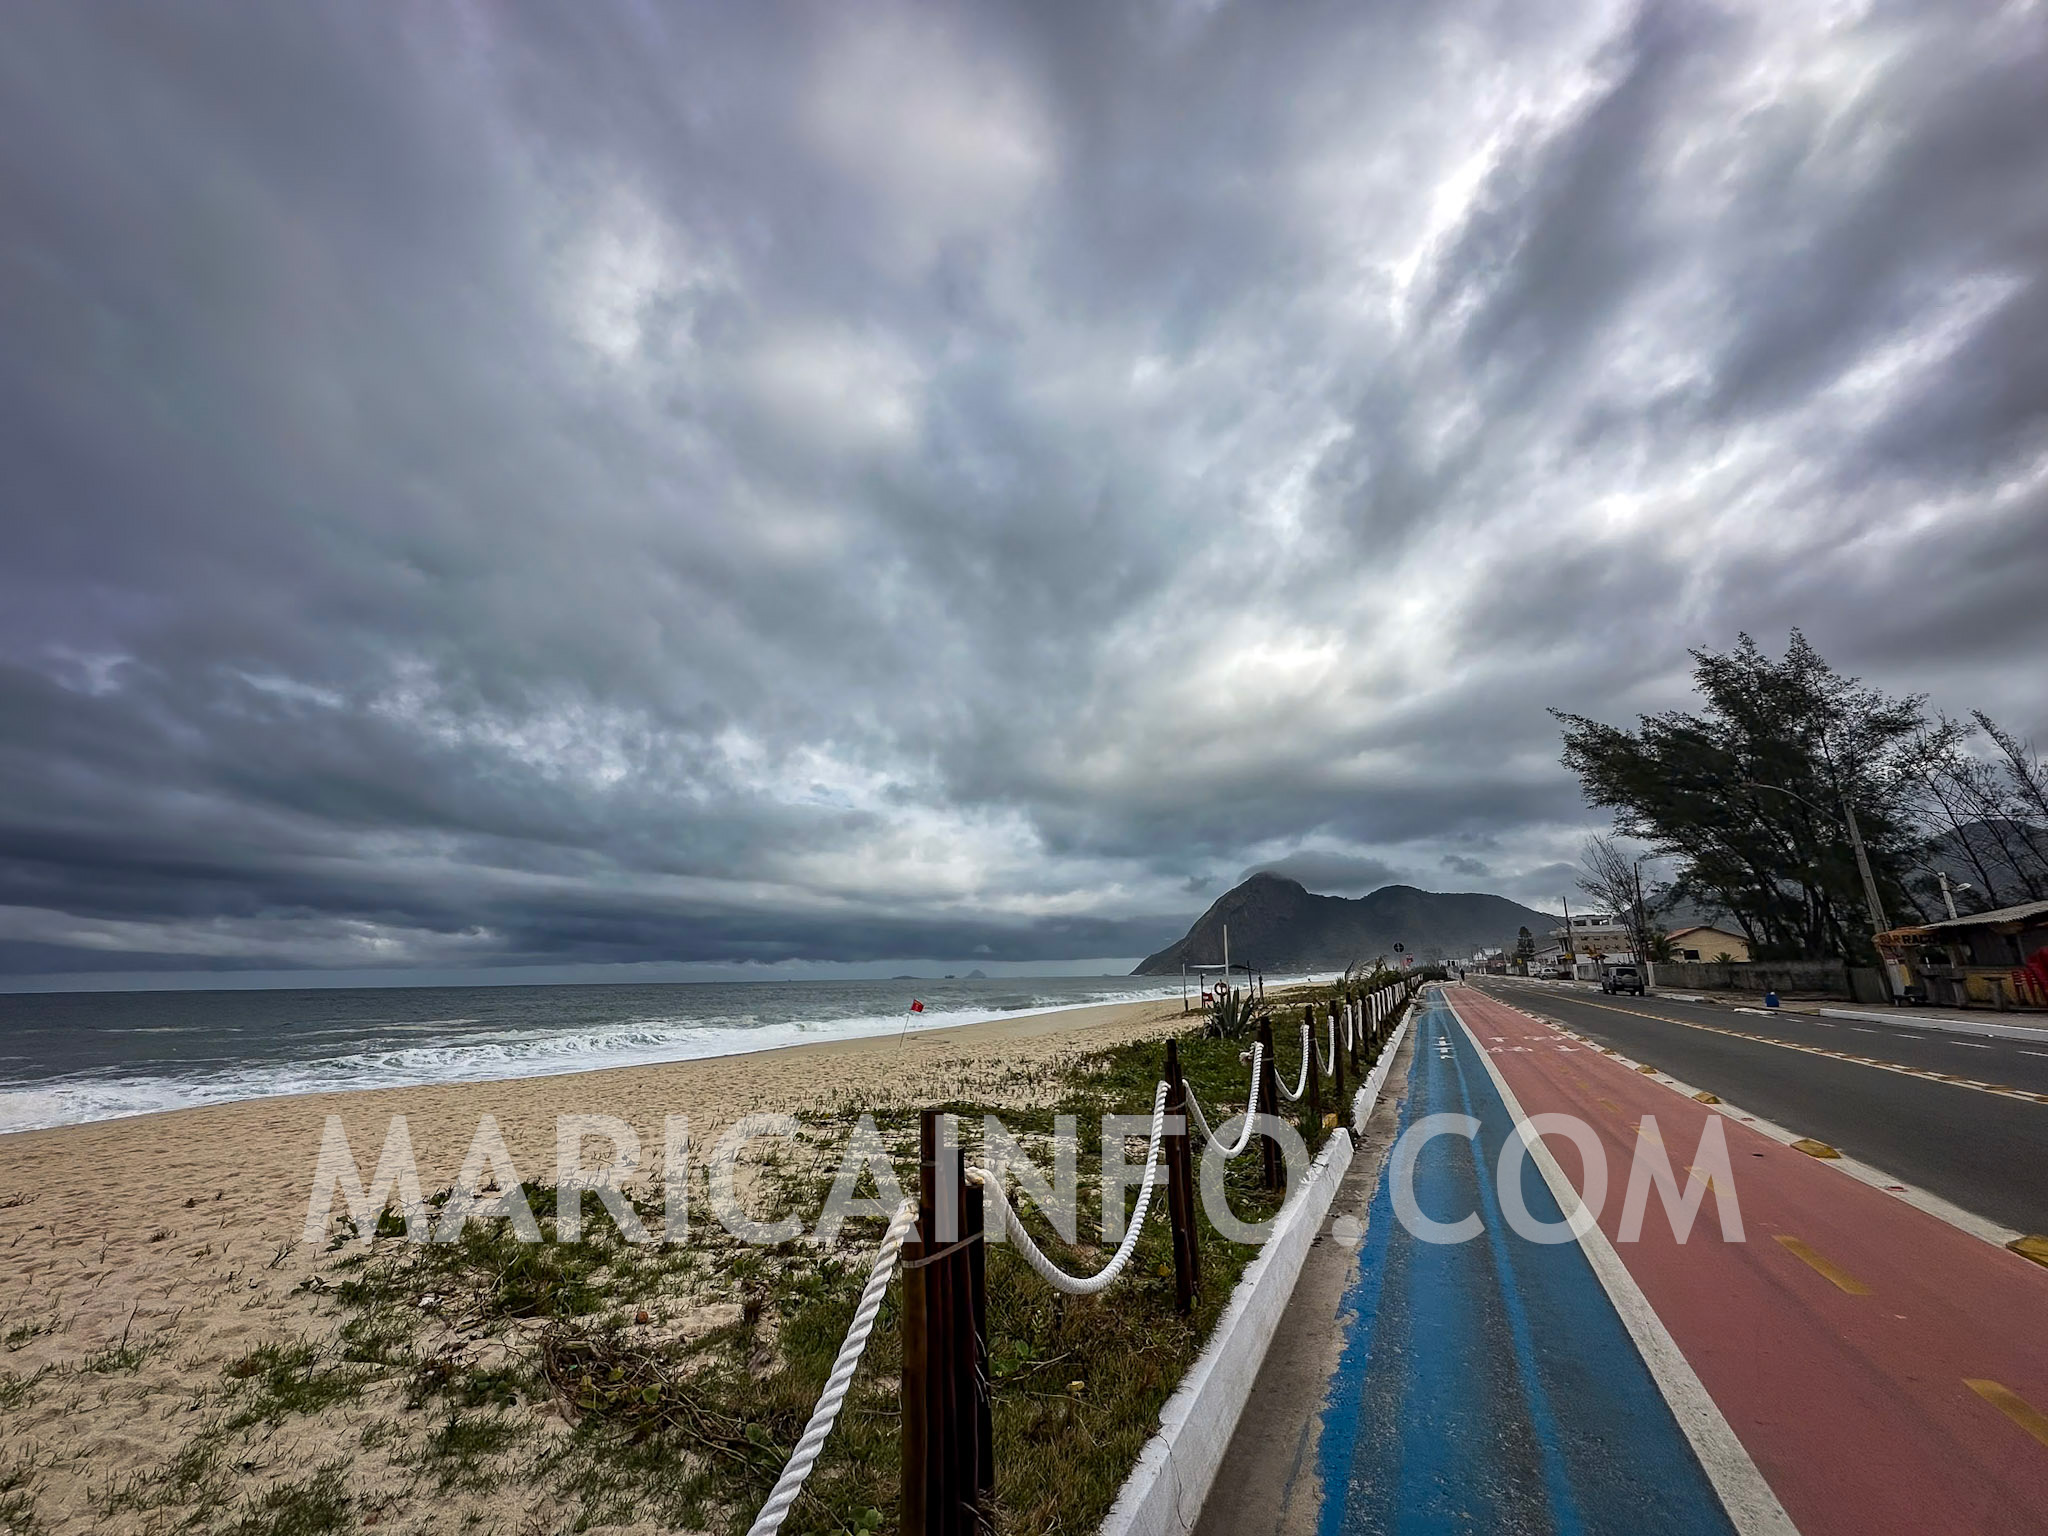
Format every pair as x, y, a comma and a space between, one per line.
1571, 947
1948, 893
1877, 916
1878, 921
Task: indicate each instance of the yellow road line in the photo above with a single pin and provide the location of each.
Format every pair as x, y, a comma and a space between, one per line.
2013, 1406
1841, 1278
2031, 1245
2001, 1090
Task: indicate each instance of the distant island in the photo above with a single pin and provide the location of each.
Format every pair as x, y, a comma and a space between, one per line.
1277, 924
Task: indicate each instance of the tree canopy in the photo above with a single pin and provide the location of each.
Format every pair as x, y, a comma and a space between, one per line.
1748, 795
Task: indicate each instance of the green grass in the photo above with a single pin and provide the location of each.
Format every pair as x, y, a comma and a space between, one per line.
315, 1507
16, 1389
285, 1379
196, 1482
117, 1359
459, 1452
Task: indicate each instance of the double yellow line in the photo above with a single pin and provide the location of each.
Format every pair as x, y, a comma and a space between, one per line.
2002, 1090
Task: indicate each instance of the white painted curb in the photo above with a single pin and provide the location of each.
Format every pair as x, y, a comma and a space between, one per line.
1164, 1493
1367, 1097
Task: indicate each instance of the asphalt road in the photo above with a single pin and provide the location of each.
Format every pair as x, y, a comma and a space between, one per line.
1986, 1152
1884, 1370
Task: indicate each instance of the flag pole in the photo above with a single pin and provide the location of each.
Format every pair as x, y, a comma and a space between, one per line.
903, 1035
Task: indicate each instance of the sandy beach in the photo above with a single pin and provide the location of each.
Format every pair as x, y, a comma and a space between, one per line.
175, 1236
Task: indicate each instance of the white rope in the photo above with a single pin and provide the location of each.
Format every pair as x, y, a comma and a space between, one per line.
1294, 1094
1244, 1137
1051, 1273
805, 1456
1325, 1063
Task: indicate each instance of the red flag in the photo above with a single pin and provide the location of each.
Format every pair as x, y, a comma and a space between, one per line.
916, 1006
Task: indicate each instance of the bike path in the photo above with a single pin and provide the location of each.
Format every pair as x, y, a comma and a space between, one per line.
1488, 1385
1885, 1371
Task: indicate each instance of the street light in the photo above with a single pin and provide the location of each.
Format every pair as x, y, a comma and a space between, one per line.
1949, 889
1878, 921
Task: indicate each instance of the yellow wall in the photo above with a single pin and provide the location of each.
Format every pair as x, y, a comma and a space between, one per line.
1710, 942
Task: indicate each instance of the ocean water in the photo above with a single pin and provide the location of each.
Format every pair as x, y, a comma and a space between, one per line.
67, 1057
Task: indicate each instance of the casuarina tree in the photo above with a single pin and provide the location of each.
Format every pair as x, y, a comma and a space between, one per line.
1751, 796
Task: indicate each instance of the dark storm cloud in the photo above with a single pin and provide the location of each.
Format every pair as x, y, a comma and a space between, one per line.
585, 484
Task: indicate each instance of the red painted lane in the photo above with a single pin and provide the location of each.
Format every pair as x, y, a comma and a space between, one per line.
1856, 1407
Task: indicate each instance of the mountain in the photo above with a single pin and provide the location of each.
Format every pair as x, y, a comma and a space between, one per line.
1277, 924
2002, 863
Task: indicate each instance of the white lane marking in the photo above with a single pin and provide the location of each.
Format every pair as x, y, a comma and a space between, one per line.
2029, 1033
1925, 1074
1924, 1200
1752, 1508
1974, 1045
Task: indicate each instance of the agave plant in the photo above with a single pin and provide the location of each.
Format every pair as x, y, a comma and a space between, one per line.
1235, 1015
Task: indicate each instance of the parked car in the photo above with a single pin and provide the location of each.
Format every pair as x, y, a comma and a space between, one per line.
1622, 978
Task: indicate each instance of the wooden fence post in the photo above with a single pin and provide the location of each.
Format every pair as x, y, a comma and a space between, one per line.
1180, 1191
1315, 1087
973, 1266
1343, 1039
916, 1445
946, 1426
942, 1308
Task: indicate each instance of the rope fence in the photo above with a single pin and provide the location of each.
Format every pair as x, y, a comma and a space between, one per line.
1251, 1105
937, 1242
1077, 1285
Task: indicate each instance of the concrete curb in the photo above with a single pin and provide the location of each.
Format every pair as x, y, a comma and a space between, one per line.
1368, 1096
1164, 1493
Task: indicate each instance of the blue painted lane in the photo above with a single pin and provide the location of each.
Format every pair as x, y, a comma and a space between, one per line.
1489, 1386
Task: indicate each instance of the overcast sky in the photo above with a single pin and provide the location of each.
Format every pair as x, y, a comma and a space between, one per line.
587, 483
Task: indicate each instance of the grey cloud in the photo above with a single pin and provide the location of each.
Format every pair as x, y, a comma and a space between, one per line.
587, 485
1545, 887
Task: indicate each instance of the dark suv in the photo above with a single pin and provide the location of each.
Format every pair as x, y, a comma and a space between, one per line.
1622, 978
